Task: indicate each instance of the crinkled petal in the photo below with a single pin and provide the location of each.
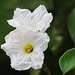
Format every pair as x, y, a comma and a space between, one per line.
38, 13
45, 22
45, 42
13, 44
42, 40
12, 48
22, 21
11, 34
19, 11
20, 62
37, 59
21, 18
13, 22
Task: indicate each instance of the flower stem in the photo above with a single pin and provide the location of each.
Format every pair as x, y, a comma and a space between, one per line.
45, 68
63, 73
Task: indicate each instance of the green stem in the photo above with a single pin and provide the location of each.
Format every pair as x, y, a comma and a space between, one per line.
63, 73
45, 68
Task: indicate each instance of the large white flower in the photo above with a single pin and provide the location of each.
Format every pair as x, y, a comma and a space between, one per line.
38, 20
25, 48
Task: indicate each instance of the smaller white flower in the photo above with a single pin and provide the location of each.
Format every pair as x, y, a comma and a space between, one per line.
38, 20
25, 49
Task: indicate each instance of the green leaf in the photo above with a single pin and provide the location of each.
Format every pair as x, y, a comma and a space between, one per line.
67, 61
71, 25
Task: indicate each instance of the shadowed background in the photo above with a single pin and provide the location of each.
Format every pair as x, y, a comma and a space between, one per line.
61, 32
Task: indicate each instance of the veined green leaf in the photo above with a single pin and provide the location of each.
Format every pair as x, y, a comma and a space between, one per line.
67, 61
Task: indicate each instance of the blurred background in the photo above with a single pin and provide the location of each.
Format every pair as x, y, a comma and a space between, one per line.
61, 32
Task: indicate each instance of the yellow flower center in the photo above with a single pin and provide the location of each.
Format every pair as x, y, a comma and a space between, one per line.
28, 48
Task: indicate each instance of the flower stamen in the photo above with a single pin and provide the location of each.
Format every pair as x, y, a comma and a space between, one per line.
28, 48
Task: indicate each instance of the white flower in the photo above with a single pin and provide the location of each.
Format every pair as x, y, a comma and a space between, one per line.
38, 20
25, 49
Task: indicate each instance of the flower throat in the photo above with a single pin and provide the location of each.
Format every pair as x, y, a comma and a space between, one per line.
28, 49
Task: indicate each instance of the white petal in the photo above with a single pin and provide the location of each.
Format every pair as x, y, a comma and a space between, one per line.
42, 40
13, 44
21, 18
19, 11
45, 22
20, 62
37, 59
45, 42
21, 21
8, 36
38, 13
13, 22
